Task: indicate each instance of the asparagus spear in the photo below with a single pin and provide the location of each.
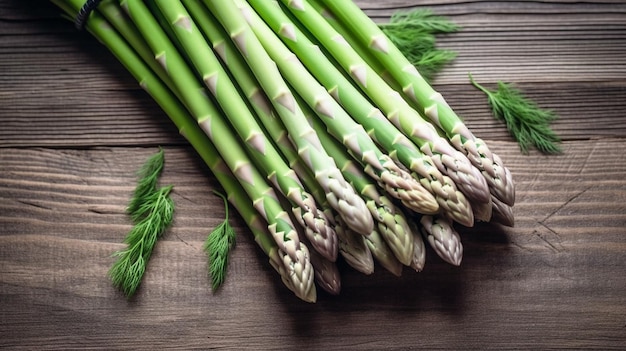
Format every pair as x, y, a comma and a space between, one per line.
502, 213
382, 253
440, 234
396, 144
326, 273
418, 259
297, 274
339, 193
354, 249
395, 180
428, 99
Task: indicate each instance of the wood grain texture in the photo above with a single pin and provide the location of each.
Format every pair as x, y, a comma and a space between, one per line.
74, 127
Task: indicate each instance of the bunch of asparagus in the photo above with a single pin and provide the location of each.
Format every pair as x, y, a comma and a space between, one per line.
325, 138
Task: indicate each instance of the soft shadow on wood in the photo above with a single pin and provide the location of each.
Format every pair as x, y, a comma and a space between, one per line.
440, 287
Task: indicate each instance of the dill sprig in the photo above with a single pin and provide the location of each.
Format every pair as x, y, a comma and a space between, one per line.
527, 123
413, 32
151, 210
148, 176
217, 246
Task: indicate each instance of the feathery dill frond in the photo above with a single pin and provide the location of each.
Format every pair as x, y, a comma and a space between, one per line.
413, 32
217, 246
527, 123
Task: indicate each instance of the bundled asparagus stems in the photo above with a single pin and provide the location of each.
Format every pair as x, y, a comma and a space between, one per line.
428, 100
328, 145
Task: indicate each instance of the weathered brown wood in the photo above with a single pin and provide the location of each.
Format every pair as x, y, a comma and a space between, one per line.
74, 127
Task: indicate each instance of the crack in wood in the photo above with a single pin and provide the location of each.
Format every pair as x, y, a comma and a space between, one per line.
33, 204
555, 247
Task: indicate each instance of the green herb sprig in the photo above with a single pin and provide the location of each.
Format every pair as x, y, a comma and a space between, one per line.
414, 33
527, 123
151, 210
218, 246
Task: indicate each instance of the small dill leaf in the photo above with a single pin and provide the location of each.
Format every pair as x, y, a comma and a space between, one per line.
148, 176
218, 246
528, 123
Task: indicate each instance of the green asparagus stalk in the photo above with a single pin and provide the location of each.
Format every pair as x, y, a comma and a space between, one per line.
339, 193
297, 274
431, 102
382, 131
226, 94
395, 180
350, 244
278, 259
453, 202
442, 237
115, 15
290, 271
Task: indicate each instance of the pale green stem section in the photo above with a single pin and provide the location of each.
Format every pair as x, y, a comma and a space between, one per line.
430, 101
338, 192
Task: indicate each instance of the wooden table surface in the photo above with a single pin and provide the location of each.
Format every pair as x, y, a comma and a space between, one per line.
74, 127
